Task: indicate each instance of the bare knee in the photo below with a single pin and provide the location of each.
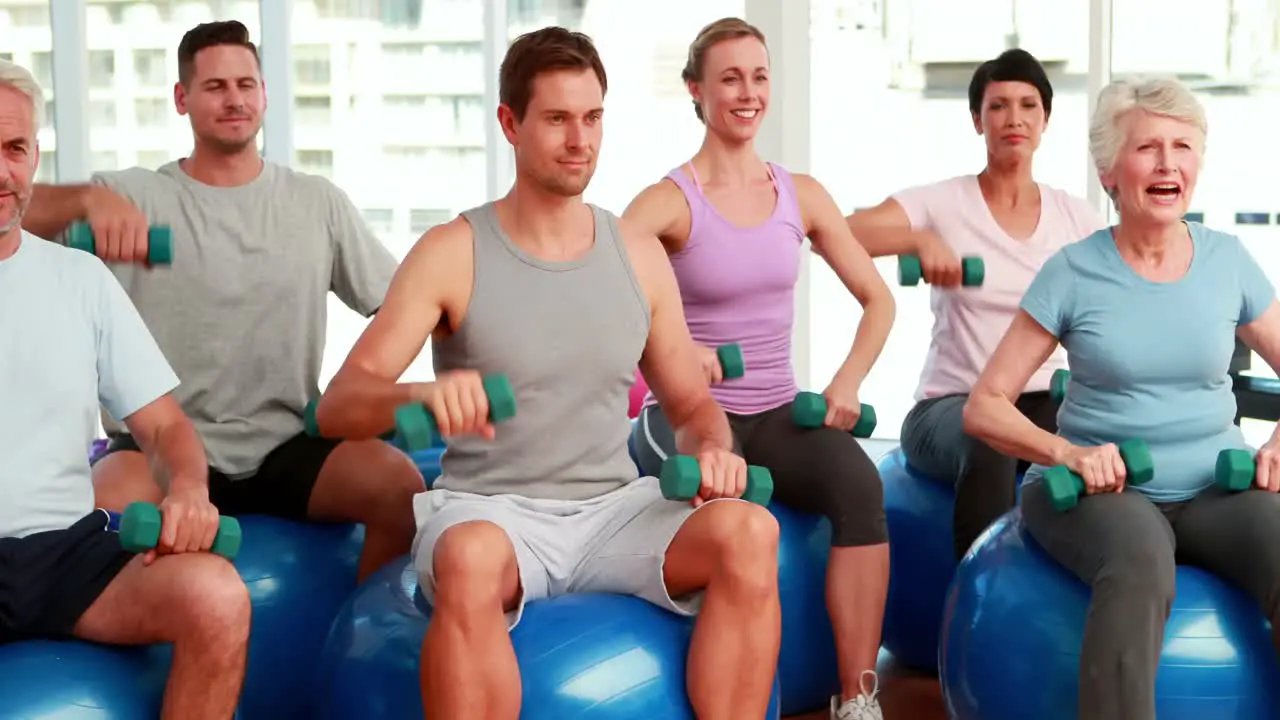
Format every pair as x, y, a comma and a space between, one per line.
395, 480
475, 568
744, 539
123, 477
212, 606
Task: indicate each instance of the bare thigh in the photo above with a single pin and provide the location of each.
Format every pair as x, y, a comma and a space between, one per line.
164, 601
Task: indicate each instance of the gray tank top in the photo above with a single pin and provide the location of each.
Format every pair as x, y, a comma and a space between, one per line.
568, 335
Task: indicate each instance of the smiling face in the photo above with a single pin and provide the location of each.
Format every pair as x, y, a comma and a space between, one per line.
558, 140
1012, 120
224, 97
1155, 172
19, 156
733, 91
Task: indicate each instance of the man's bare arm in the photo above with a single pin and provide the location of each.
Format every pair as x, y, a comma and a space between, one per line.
169, 441
54, 207
362, 398
670, 362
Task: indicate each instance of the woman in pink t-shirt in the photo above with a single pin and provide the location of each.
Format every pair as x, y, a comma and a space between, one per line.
1014, 224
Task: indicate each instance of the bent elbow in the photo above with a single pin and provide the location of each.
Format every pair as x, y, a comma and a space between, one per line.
974, 415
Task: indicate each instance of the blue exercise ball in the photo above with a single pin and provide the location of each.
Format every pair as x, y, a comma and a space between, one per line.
919, 511
581, 656
428, 463
922, 560
299, 575
73, 680
807, 666
1014, 622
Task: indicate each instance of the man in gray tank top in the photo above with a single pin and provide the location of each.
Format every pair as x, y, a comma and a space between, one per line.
240, 313
565, 301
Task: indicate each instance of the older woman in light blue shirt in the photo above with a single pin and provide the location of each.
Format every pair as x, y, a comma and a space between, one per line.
1148, 311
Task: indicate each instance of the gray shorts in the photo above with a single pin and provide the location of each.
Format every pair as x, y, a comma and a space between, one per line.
615, 543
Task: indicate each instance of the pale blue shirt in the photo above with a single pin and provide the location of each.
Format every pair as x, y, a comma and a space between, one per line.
1150, 360
72, 341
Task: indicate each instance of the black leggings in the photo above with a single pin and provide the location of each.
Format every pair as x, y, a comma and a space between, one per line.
822, 471
934, 442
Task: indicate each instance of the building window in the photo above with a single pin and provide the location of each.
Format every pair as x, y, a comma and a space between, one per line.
381, 220
102, 69
102, 113
149, 68
421, 220
313, 110
151, 112
311, 64
316, 162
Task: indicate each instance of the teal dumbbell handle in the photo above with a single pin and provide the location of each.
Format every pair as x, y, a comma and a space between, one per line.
809, 410
1058, 385
1235, 470
139, 529
732, 364
681, 478
419, 428
1066, 487
973, 271
159, 242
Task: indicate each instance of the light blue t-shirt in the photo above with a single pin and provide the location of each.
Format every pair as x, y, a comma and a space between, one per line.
72, 340
1150, 360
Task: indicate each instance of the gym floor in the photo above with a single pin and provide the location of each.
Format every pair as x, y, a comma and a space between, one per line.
905, 694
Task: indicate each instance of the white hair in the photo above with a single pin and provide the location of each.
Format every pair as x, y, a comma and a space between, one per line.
19, 78
1162, 96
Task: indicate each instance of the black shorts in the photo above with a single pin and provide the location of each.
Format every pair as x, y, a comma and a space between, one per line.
281, 486
49, 579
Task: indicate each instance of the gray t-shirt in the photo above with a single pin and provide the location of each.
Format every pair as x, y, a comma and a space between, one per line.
241, 312
72, 343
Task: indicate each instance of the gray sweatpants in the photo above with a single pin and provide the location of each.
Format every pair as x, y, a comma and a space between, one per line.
614, 543
1125, 547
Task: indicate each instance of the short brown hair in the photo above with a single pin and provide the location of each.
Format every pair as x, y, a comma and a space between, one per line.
207, 35
730, 28
543, 51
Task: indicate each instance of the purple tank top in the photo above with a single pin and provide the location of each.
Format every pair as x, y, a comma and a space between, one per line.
738, 286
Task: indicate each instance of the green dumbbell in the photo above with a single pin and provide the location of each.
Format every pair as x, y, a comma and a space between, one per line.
972, 271
809, 411
732, 364
1066, 487
1058, 385
140, 531
681, 478
159, 242
309, 423
419, 429
1235, 470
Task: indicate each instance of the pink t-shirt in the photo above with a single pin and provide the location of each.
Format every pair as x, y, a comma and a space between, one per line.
970, 322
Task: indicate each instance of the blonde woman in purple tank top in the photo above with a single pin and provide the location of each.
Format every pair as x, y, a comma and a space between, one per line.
734, 227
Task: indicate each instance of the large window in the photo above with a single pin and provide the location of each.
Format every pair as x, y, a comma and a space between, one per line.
889, 110
29, 43
388, 102
649, 123
1229, 52
133, 65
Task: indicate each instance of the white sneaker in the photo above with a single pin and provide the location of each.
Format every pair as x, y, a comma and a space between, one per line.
863, 707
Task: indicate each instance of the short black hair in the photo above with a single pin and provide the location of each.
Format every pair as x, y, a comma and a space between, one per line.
211, 34
1015, 65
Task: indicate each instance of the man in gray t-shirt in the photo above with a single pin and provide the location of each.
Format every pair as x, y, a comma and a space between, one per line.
240, 312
